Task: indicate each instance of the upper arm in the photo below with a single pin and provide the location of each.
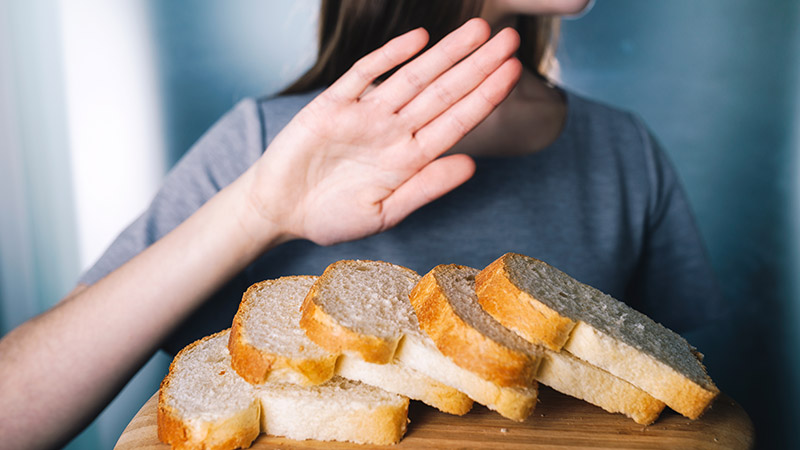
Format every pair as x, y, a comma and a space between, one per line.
674, 280
80, 287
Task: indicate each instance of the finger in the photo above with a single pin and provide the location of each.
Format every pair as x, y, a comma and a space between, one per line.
434, 180
398, 50
447, 129
412, 78
459, 81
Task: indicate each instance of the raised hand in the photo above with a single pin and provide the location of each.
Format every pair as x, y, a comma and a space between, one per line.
359, 158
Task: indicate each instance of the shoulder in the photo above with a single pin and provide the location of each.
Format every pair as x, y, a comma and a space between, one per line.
616, 149
239, 129
253, 122
599, 121
614, 136
239, 137
275, 112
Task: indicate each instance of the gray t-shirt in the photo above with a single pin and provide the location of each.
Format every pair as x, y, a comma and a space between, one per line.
602, 203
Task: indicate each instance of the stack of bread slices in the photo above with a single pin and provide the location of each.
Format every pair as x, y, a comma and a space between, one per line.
338, 357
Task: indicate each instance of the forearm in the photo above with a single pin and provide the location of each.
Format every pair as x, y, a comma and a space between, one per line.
348, 165
58, 370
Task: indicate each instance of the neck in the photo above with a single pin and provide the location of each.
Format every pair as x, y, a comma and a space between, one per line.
497, 17
529, 120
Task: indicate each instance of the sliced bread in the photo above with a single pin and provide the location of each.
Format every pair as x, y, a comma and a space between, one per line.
577, 378
448, 310
401, 378
337, 410
266, 343
361, 307
449, 313
361, 310
550, 308
203, 403
515, 403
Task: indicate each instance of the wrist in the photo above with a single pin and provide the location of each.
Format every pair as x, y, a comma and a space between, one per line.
262, 230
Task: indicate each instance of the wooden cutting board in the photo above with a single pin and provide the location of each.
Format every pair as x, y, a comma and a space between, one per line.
559, 421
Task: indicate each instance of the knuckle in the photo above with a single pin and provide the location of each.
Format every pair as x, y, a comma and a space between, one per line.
425, 192
414, 80
389, 56
491, 98
361, 70
446, 51
459, 125
444, 94
479, 67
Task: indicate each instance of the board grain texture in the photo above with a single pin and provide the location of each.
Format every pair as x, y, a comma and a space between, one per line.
558, 421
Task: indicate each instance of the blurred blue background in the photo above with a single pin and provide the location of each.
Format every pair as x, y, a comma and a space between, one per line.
98, 99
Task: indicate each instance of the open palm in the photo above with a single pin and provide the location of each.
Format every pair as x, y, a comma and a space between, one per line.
359, 158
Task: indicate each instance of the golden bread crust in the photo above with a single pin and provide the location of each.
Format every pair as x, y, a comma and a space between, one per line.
655, 377
388, 426
234, 432
258, 366
465, 345
326, 332
226, 436
516, 404
447, 399
513, 307
518, 310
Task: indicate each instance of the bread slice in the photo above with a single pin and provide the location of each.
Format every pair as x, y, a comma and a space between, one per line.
361, 309
266, 343
548, 307
449, 313
300, 397
203, 403
577, 378
337, 410
400, 378
515, 403
448, 310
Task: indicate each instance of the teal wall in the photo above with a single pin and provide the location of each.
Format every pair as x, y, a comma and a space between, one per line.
36, 100
214, 53
718, 82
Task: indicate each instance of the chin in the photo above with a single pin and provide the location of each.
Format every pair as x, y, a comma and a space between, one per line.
537, 7
575, 7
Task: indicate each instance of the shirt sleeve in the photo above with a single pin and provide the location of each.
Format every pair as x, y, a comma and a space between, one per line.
674, 281
223, 153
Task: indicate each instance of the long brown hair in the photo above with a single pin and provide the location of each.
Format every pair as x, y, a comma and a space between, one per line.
349, 29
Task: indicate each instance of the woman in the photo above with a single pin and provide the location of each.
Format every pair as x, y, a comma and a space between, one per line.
372, 162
